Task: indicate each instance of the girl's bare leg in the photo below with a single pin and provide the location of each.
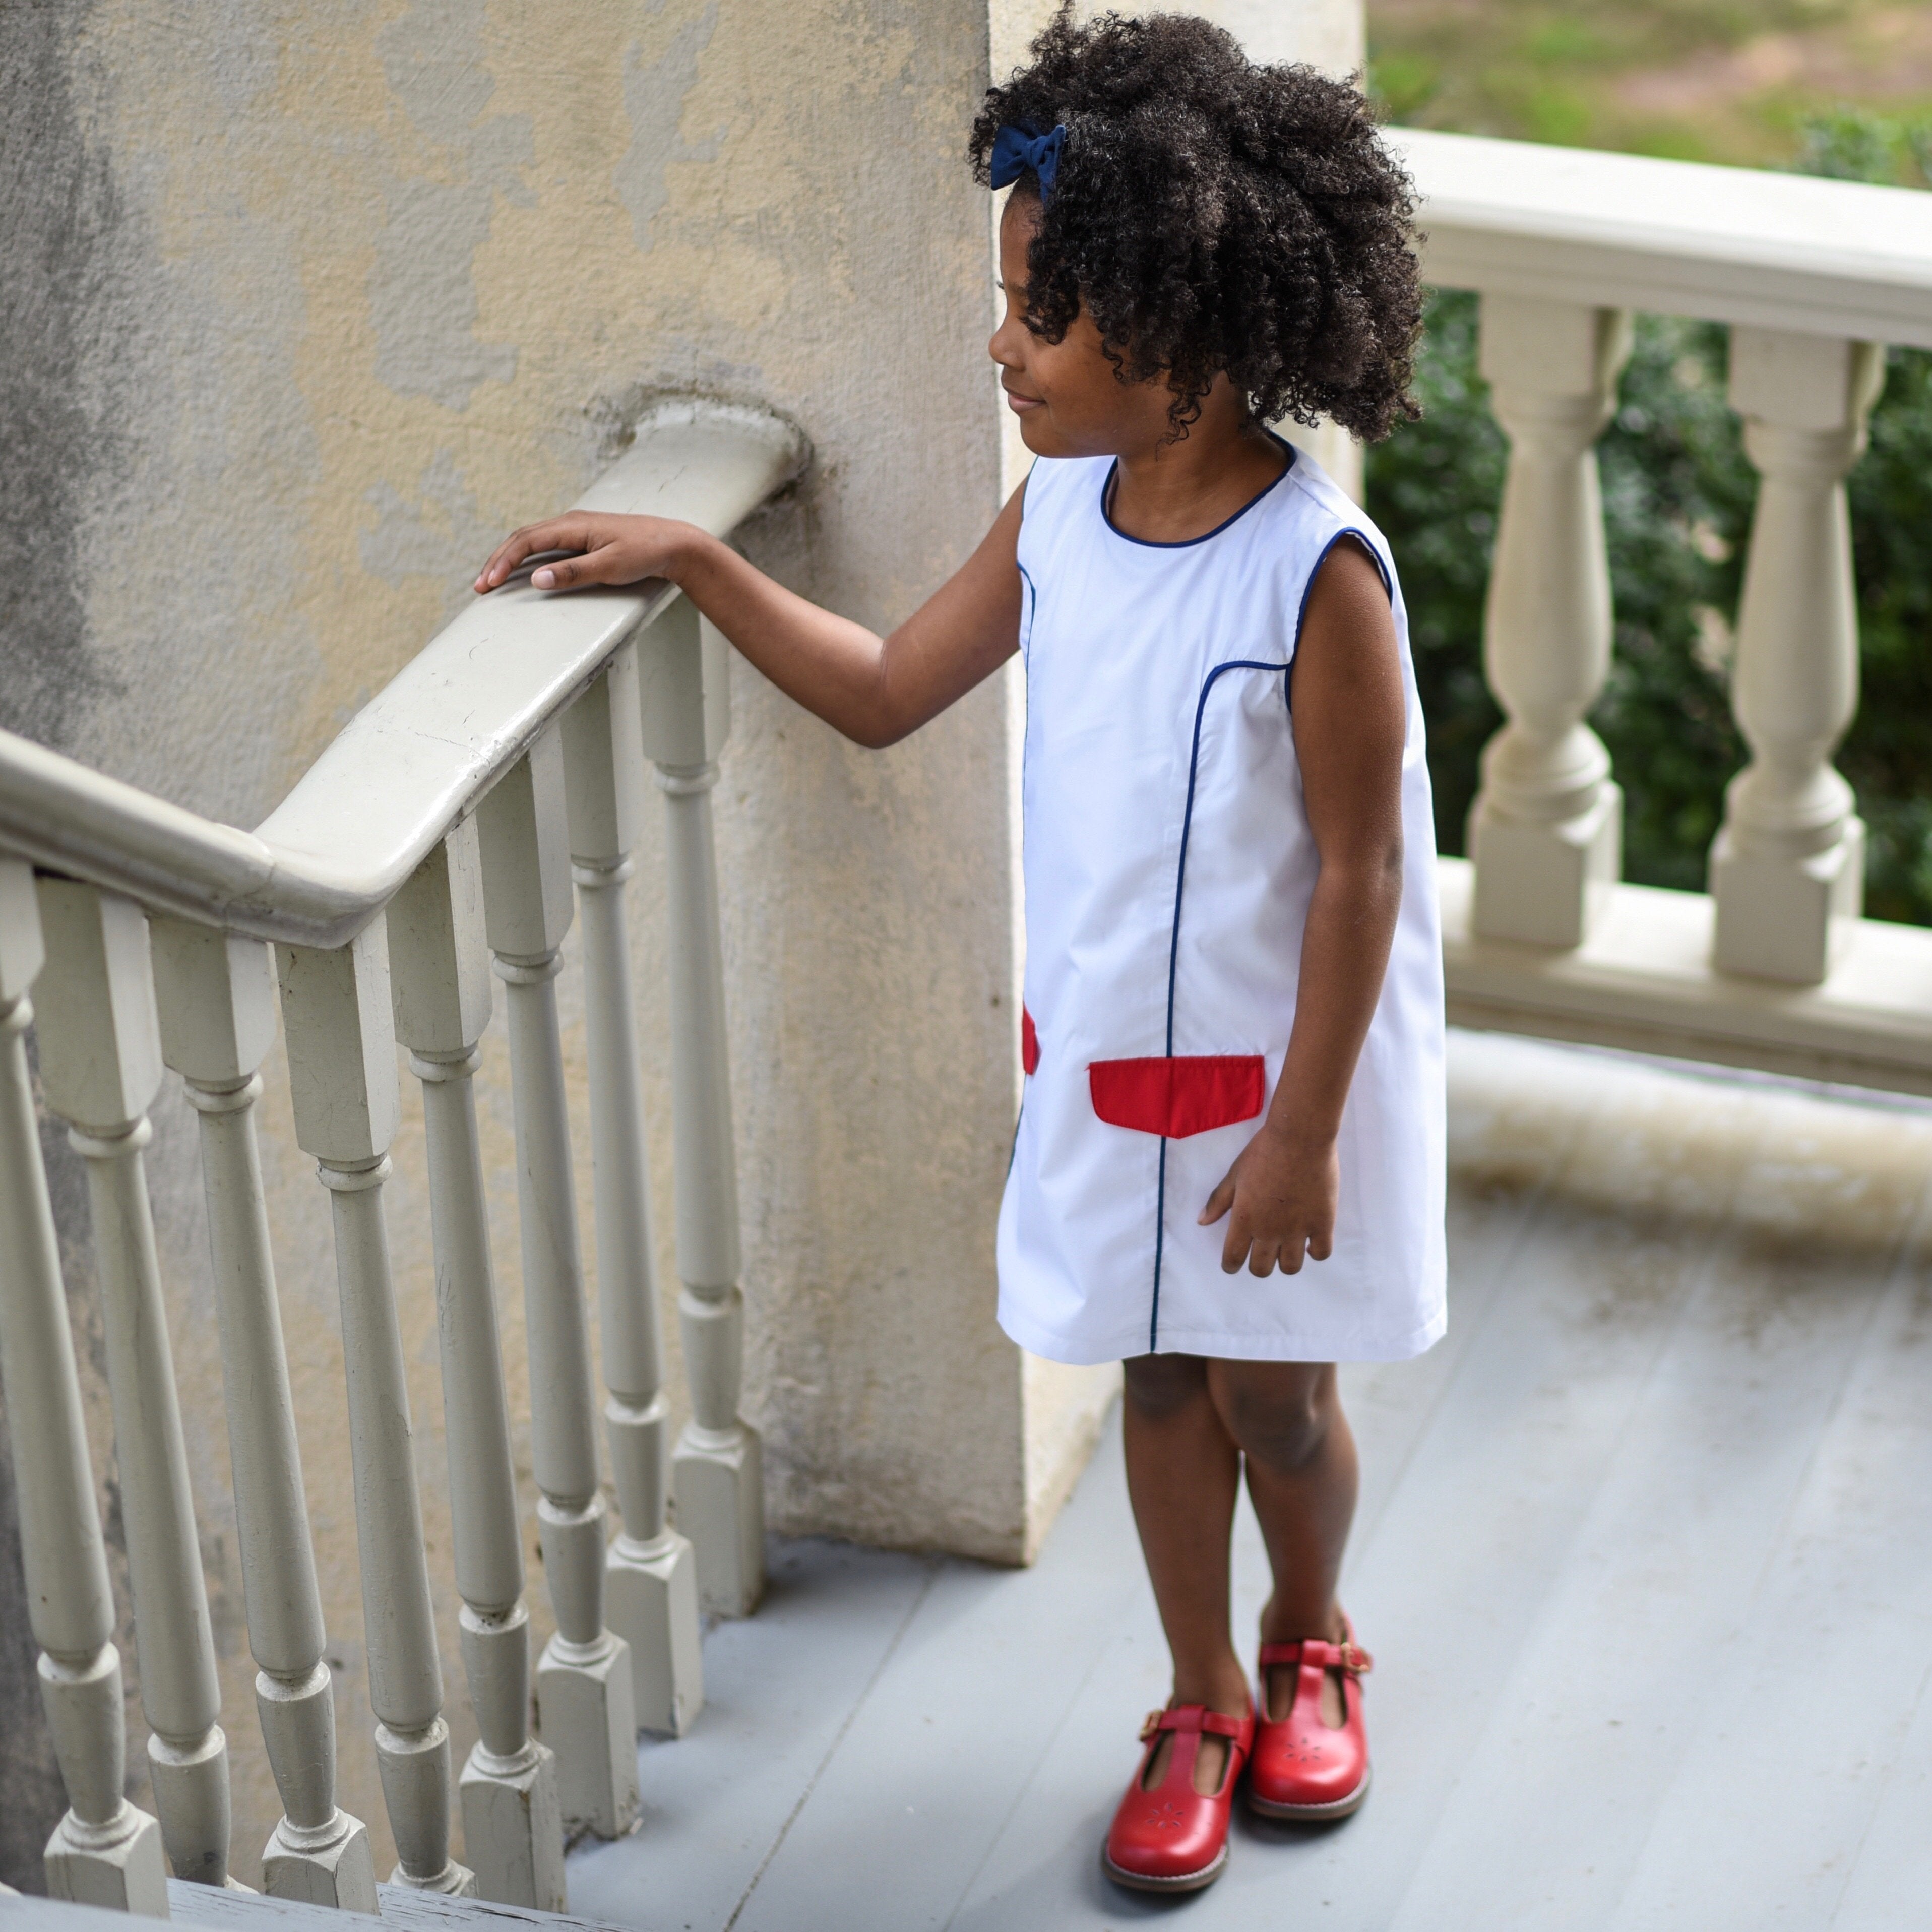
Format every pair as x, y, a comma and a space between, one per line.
1183, 1471
1287, 1418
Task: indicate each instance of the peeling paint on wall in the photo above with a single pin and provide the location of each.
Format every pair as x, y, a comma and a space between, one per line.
654, 91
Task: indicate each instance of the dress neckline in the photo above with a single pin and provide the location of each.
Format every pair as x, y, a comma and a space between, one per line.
1188, 543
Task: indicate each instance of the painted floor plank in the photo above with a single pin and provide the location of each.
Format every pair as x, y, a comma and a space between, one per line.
1682, 1425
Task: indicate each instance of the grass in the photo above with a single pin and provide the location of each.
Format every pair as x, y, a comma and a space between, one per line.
1735, 81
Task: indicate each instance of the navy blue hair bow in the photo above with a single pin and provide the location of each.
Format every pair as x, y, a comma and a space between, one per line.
1015, 151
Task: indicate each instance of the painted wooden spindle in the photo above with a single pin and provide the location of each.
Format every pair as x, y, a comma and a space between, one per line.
100, 1067
584, 1677
336, 1025
1546, 829
104, 1851
651, 1574
512, 1824
1787, 870
216, 996
717, 1473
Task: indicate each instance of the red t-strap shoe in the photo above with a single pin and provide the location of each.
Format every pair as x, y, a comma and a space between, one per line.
1304, 1767
1172, 1839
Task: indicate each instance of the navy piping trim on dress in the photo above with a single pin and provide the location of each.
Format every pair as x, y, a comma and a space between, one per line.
1174, 940
1188, 543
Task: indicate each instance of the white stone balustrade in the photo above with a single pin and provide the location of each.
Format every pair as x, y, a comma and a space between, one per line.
104, 1851
342, 1068
100, 1067
684, 669
512, 1822
651, 1573
1547, 830
215, 993
384, 845
1787, 870
583, 1677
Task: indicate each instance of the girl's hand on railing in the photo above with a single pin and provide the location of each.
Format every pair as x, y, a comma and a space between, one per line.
611, 549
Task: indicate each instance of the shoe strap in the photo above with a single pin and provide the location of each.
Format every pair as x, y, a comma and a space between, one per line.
1197, 1718
1316, 1655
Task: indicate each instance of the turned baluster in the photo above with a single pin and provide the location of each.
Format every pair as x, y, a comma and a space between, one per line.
651, 1573
100, 1067
1547, 829
342, 1079
216, 996
583, 1677
104, 1851
512, 1825
1787, 870
717, 1472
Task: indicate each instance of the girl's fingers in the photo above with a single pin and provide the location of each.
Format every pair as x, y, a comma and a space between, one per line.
573, 573
558, 533
1219, 1202
1261, 1260
1235, 1249
1321, 1244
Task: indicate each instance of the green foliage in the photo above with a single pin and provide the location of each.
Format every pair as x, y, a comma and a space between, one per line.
1678, 494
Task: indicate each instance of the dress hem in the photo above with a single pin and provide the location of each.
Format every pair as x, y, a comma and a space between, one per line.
1275, 1346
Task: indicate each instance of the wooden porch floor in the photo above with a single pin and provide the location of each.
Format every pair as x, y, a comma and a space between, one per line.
1644, 1554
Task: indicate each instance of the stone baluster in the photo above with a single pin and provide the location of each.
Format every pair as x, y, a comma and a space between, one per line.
718, 1474
216, 995
512, 1825
342, 1079
1787, 870
1547, 829
100, 1067
104, 1851
651, 1573
583, 1677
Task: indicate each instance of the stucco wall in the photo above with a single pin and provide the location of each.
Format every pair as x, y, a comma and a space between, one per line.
305, 303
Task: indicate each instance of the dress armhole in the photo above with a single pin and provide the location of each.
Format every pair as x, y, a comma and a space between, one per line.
1347, 534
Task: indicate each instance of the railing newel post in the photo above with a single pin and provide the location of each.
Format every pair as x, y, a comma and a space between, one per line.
337, 1025
104, 1852
215, 995
1787, 870
583, 1678
1546, 832
685, 695
100, 1068
513, 1824
651, 1570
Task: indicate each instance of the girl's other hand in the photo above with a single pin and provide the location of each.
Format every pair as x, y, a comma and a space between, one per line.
611, 549
1279, 1197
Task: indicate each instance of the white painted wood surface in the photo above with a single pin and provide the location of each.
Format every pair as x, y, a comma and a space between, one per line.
584, 1677
336, 1017
104, 1852
1546, 832
100, 1067
421, 753
651, 1569
1640, 1555
439, 980
684, 669
215, 996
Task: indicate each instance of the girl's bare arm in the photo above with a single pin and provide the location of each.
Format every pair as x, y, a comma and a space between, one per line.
875, 690
1280, 1194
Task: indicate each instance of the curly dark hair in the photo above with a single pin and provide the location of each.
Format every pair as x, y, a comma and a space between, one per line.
1213, 214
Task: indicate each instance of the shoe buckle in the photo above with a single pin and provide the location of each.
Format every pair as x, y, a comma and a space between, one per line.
1152, 1725
1354, 1659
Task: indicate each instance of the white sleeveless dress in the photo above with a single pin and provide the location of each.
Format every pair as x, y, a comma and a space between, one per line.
1168, 866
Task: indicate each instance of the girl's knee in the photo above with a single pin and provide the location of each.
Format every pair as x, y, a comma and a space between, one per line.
1281, 1413
1158, 1386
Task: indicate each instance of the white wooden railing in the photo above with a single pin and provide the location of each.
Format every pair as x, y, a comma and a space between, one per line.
434, 844
1773, 967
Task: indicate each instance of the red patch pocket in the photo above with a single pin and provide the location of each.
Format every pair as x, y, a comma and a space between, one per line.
1029, 1043
1184, 1094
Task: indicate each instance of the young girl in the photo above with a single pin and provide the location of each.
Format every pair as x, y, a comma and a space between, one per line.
1228, 1170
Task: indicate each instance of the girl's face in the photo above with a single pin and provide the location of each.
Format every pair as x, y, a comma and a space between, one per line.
1066, 393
